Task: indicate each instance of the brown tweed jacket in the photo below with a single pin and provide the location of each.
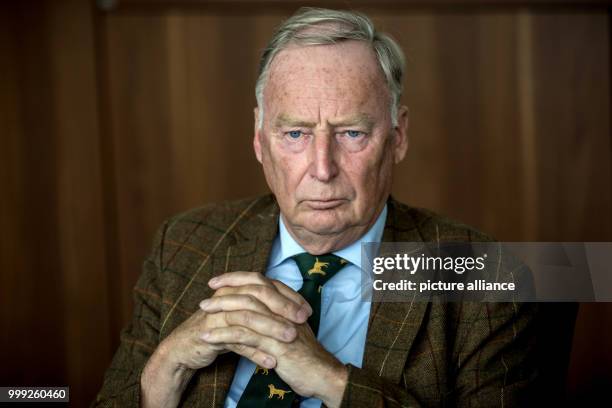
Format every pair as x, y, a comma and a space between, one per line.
421, 354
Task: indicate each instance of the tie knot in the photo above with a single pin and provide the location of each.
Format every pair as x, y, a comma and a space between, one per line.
319, 268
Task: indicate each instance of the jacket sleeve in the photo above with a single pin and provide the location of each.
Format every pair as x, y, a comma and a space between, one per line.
121, 387
492, 363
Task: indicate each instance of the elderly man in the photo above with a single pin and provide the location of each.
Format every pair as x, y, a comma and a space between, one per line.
258, 303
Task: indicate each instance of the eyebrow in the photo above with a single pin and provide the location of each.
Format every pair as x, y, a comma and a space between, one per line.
286, 120
358, 119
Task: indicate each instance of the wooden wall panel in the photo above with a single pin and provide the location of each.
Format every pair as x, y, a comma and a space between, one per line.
30, 258
508, 140
180, 109
141, 150
572, 117
461, 90
79, 195
53, 297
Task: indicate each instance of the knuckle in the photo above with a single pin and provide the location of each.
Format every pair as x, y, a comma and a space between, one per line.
268, 292
251, 300
276, 282
247, 317
197, 317
260, 278
240, 334
259, 291
228, 317
207, 321
221, 291
288, 308
288, 328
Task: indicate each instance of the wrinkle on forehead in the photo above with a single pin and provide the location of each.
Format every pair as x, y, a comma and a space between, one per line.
330, 78
326, 64
285, 119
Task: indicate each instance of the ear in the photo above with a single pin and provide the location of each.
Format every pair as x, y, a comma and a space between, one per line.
257, 137
400, 146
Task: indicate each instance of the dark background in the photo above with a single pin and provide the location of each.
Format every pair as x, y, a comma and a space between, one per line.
116, 115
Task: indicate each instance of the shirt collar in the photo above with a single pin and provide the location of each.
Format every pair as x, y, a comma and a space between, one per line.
285, 246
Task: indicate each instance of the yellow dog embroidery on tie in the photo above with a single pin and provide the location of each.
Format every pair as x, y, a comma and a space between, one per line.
343, 262
263, 370
317, 267
278, 392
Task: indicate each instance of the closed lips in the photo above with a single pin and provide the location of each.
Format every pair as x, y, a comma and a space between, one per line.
324, 204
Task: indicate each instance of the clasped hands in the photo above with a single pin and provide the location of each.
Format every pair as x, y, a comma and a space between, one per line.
258, 318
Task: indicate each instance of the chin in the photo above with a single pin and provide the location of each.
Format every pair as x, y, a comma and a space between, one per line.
323, 222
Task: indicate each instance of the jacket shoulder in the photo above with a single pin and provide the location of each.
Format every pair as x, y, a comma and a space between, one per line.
217, 219
433, 226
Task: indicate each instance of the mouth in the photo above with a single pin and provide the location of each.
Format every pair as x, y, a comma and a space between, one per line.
324, 204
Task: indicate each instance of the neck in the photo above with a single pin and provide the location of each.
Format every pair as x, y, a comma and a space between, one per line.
316, 244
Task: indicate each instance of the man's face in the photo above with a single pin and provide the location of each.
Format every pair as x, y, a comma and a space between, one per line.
328, 144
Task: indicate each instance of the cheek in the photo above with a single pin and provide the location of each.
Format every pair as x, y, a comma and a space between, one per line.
283, 169
370, 173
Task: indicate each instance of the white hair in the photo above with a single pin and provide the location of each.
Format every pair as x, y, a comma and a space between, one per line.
318, 26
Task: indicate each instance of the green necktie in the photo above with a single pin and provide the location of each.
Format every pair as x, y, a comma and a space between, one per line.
266, 388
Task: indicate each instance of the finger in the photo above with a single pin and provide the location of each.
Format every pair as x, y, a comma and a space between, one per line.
242, 336
272, 299
231, 302
215, 347
238, 279
291, 294
257, 356
234, 279
266, 325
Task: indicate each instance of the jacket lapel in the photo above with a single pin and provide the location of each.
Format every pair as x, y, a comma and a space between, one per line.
250, 250
393, 326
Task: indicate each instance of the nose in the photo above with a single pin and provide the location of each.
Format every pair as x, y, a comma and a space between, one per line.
322, 161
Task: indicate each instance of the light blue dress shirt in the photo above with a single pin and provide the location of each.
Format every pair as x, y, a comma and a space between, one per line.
344, 315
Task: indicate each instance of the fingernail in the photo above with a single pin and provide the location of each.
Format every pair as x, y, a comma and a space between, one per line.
289, 334
304, 312
205, 335
204, 304
308, 308
213, 281
268, 362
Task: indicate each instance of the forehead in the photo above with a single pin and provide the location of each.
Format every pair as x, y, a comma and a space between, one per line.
342, 74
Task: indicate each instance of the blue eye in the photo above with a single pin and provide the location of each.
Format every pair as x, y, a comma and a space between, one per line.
353, 133
294, 134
